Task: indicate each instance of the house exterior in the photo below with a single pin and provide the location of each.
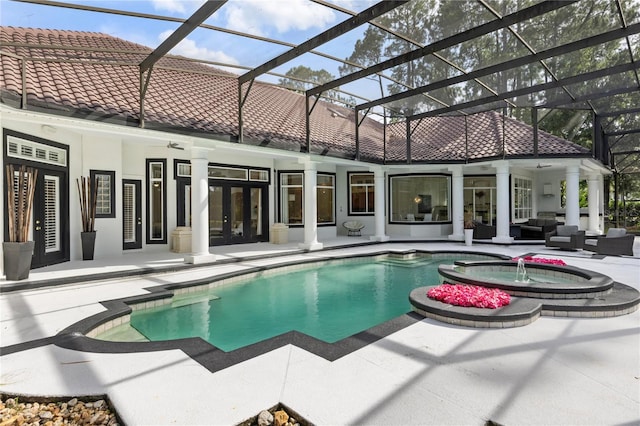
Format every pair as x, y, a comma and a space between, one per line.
229, 162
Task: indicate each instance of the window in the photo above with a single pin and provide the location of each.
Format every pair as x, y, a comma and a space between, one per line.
420, 198
480, 198
361, 193
104, 182
34, 151
156, 202
522, 198
325, 197
222, 172
229, 173
291, 198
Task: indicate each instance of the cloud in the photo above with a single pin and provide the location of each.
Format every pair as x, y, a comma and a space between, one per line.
258, 17
177, 6
187, 47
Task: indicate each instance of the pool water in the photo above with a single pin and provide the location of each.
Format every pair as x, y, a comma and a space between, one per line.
329, 302
532, 276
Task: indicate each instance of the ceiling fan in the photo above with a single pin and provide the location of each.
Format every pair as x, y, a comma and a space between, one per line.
542, 166
174, 145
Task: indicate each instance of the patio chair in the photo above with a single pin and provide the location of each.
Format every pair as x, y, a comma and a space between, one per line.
616, 242
565, 237
353, 227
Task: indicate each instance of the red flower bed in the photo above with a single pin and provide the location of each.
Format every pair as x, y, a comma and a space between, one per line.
469, 295
532, 259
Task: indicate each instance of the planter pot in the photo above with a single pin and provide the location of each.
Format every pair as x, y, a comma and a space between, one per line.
468, 237
17, 260
88, 244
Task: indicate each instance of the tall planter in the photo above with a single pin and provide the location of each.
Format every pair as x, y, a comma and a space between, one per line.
17, 259
87, 198
468, 237
17, 251
88, 244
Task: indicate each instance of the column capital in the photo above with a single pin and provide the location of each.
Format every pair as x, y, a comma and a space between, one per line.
455, 169
308, 163
501, 166
199, 153
593, 176
573, 168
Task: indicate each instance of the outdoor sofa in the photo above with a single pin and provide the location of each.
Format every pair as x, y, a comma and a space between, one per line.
566, 237
615, 242
537, 228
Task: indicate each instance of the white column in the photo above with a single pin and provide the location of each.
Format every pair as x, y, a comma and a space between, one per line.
457, 203
379, 216
310, 208
503, 213
572, 205
594, 199
199, 208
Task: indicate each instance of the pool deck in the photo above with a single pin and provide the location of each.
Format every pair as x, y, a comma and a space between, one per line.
553, 371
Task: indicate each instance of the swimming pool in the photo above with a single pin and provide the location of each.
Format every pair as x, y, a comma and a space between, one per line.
330, 301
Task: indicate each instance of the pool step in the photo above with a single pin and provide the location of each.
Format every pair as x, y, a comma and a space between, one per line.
192, 299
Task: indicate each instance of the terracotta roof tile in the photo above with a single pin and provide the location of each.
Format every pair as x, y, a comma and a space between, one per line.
184, 94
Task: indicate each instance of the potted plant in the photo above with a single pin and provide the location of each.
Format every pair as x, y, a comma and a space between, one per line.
468, 232
18, 250
87, 196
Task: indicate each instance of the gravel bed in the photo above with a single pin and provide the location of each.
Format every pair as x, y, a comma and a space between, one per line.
34, 411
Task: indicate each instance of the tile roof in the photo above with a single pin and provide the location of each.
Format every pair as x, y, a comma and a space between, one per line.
189, 96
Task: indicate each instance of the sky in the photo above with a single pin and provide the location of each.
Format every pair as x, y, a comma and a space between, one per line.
287, 20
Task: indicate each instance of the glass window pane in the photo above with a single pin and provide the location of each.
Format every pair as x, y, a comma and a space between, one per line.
259, 175
156, 210
362, 190
325, 199
325, 180
216, 172
292, 178
362, 179
156, 171
291, 208
420, 198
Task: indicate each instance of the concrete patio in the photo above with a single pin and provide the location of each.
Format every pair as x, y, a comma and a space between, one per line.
553, 371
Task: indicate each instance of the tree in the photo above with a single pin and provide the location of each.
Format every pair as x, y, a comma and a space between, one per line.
415, 22
302, 78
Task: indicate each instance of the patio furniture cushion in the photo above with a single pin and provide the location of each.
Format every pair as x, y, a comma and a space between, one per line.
565, 237
616, 232
566, 230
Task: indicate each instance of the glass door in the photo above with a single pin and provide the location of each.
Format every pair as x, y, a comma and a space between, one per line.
238, 213
218, 217
131, 214
226, 219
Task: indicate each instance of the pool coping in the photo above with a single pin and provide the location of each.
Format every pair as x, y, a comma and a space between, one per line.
214, 359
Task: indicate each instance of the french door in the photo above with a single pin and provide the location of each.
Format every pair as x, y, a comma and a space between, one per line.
131, 214
50, 219
238, 213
